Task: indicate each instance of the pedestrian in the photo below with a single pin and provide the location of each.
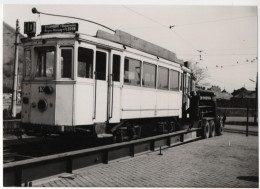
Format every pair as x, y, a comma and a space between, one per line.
224, 120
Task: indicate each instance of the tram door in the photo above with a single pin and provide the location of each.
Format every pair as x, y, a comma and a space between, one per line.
101, 79
185, 93
114, 87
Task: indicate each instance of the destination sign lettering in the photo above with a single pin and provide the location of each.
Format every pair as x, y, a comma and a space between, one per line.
72, 27
205, 97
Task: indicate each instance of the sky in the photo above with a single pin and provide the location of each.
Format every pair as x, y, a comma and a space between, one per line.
226, 35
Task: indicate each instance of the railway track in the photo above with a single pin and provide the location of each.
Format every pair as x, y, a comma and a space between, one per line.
27, 148
25, 171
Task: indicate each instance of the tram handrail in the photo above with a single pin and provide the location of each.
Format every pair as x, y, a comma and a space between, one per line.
112, 91
95, 95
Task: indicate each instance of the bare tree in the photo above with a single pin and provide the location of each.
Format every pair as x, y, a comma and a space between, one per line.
200, 74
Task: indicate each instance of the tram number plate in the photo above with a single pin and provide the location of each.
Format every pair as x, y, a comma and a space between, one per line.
41, 89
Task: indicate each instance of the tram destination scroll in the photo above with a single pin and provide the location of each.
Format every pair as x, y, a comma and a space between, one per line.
54, 28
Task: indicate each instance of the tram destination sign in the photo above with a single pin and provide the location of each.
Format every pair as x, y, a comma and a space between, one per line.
54, 28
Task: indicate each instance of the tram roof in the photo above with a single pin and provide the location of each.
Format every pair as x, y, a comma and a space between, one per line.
117, 39
129, 40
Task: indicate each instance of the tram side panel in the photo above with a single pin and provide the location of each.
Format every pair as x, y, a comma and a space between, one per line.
175, 99
115, 107
148, 102
42, 105
26, 106
162, 103
131, 102
84, 103
64, 105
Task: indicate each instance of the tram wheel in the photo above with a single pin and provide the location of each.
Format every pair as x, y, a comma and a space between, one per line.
205, 129
212, 128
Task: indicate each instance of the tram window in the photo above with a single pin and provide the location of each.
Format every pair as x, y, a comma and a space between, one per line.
163, 75
149, 75
66, 63
185, 83
181, 81
189, 84
28, 63
101, 63
45, 62
116, 67
174, 80
85, 62
132, 72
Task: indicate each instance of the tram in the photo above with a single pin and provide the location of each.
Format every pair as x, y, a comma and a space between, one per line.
108, 84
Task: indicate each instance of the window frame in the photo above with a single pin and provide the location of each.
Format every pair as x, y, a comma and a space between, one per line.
178, 87
181, 81
93, 62
156, 72
95, 65
141, 67
72, 63
120, 60
168, 70
35, 59
26, 77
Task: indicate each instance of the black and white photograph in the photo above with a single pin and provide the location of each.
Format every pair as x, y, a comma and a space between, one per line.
130, 94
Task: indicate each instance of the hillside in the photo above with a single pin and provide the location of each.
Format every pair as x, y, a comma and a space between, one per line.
8, 57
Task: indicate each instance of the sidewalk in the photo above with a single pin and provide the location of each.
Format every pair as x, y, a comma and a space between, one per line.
230, 160
242, 128
241, 121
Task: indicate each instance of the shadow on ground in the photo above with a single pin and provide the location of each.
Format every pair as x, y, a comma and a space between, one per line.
248, 178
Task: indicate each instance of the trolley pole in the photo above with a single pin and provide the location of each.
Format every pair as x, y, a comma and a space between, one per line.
15, 73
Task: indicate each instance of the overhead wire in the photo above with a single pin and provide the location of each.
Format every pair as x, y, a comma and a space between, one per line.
218, 20
186, 41
229, 65
217, 54
165, 26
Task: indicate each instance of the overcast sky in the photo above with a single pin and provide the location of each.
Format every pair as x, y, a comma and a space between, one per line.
227, 35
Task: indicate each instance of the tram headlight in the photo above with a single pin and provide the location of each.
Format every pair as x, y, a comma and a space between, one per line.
42, 105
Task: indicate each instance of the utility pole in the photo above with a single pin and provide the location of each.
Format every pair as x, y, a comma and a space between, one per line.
200, 51
256, 97
15, 73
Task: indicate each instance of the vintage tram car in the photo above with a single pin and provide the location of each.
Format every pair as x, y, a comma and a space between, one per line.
106, 84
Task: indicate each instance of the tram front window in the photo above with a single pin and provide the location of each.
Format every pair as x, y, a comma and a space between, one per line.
45, 62
28, 63
66, 62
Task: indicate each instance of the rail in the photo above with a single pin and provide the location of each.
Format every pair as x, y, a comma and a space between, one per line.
24, 171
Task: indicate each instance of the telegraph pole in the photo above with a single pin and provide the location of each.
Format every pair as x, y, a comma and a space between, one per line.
15, 73
256, 97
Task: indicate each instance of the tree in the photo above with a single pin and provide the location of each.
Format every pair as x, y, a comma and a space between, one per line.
200, 74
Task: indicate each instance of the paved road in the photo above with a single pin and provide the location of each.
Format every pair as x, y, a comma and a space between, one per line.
227, 161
